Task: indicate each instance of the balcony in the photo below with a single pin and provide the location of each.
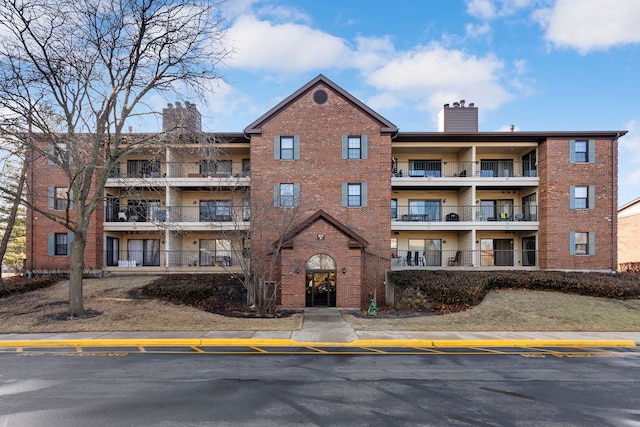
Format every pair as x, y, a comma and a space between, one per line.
139, 259
424, 212
178, 214
427, 169
153, 169
489, 259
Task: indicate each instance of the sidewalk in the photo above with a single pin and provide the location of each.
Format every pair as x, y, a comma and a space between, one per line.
325, 326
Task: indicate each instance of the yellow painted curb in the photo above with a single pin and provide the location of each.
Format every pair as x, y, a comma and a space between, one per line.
249, 342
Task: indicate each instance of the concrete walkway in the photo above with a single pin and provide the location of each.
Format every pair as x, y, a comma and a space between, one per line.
324, 325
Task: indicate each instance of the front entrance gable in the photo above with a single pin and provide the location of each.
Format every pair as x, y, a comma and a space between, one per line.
355, 240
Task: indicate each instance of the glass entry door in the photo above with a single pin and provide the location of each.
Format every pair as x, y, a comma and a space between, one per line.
321, 289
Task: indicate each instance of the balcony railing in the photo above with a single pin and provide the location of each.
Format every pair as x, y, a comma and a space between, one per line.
163, 258
465, 258
464, 213
147, 169
481, 169
179, 214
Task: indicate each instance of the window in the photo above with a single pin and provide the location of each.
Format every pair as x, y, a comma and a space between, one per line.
423, 210
529, 251
246, 167
424, 252
354, 194
58, 153
113, 249
246, 209
215, 167
58, 198
215, 210
143, 168
143, 210
354, 147
496, 168
494, 210
582, 151
286, 195
59, 243
394, 208
582, 243
216, 252
582, 197
144, 251
529, 164
529, 208
394, 247
286, 147
431, 168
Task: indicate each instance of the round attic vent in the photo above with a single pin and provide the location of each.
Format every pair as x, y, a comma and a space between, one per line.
320, 96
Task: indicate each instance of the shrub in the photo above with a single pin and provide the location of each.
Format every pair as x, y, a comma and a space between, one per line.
199, 290
418, 290
20, 285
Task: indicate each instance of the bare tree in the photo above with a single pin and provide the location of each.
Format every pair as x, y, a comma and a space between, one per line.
77, 70
13, 179
260, 274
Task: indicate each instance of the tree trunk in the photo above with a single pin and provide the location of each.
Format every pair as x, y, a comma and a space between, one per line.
76, 304
12, 217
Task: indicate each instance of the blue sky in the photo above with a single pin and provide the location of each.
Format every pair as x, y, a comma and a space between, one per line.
536, 64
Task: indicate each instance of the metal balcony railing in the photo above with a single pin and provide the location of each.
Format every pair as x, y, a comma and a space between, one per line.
434, 213
480, 168
464, 258
163, 258
148, 169
208, 213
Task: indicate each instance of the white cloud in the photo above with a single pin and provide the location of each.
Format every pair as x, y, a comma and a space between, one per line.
492, 9
587, 25
477, 31
484, 9
284, 48
432, 76
629, 172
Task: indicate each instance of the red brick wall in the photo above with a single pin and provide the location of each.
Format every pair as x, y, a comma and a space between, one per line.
556, 218
42, 176
320, 172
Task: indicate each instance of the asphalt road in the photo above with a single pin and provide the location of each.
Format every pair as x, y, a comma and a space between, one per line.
460, 387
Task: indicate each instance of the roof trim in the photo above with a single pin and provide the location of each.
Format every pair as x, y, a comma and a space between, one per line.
629, 204
256, 126
355, 240
518, 136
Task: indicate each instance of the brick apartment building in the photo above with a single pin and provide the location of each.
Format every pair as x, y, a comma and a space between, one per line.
347, 196
628, 232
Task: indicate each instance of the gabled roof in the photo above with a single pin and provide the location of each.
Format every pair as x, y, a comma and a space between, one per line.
355, 240
256, 127
632, 206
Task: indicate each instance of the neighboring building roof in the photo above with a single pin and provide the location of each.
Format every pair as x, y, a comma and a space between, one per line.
256, 126
631, 208
355, 240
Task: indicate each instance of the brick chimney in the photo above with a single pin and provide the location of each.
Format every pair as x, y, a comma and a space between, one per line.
458, 118
185, 119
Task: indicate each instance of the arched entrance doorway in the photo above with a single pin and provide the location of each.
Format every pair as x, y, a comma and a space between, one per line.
320, 281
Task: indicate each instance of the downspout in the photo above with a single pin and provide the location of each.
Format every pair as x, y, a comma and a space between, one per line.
32, 189
614, 207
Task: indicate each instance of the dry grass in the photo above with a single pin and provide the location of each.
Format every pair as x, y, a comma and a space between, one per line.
505, 310
42, 311
522, 310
